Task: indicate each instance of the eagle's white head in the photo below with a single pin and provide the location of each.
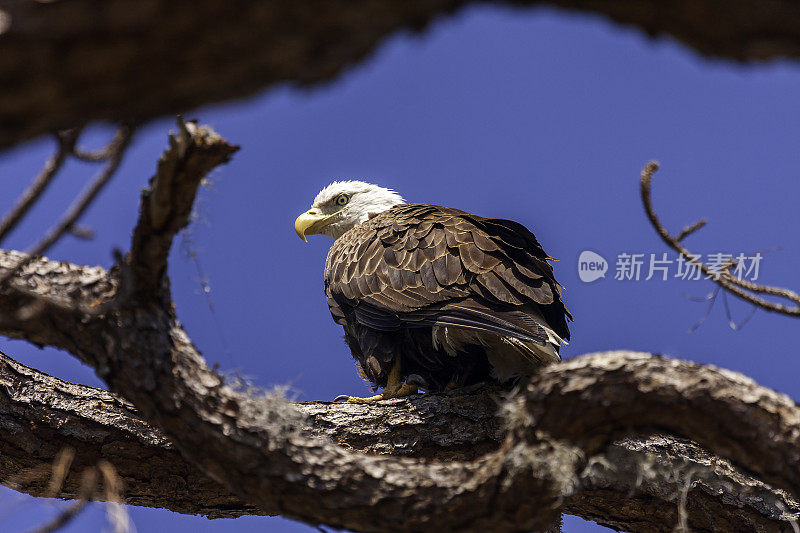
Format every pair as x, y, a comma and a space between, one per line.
342, 205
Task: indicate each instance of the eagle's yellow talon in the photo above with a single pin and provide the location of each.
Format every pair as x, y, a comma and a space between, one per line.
403, 390
368, 399
394, 388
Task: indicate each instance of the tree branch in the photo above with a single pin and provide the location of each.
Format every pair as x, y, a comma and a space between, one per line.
46, 414
66, 142
746, 290
633, 483
167, 204
87, 488
78, 207
66, 63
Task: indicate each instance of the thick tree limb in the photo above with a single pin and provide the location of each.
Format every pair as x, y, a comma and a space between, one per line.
42, 413
275, 457
68, 62
725, 411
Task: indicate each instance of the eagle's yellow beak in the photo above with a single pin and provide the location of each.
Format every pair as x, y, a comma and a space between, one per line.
309, 223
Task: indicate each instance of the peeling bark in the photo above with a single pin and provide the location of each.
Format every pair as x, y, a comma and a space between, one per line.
65, 63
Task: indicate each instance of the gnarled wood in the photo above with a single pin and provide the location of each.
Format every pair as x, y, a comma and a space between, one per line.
639, 490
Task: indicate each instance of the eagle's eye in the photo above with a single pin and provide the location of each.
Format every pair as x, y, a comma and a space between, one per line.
342, 199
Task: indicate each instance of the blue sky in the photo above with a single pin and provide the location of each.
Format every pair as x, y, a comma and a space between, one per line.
534, 115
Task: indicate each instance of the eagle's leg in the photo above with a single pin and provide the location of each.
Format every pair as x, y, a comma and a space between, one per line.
456, 383
394, 388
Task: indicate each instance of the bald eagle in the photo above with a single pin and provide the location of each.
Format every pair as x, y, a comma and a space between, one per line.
432, 297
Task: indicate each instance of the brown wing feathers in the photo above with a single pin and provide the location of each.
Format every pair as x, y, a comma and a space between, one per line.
418, 264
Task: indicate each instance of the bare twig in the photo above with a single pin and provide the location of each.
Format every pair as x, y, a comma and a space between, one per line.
66, 142
88, 486
688, 230
711, 298
103, 154
63, 518
738, 287
113, 153
77, 208
82, 232
733, 325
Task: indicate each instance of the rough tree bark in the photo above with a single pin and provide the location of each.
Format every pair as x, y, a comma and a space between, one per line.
64, 63
634, 484
444, 462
